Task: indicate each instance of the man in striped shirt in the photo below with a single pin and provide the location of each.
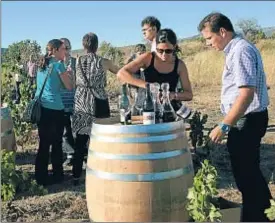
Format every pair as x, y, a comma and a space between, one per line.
68, 101
244, 102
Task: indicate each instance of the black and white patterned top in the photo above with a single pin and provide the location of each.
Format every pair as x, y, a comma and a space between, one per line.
83, 116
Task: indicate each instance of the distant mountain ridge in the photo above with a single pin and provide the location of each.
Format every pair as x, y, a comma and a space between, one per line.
267, 30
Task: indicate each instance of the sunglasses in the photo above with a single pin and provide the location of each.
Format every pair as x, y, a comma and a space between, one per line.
167, 51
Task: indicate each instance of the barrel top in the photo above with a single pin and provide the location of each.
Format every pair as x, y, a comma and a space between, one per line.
112, 125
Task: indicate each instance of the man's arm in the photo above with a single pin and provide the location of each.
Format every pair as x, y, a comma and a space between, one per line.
245, 71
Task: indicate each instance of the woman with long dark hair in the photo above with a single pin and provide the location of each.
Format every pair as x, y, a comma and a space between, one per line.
162, 66
51, 125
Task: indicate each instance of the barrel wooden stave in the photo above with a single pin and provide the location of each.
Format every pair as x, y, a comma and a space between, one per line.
161, 201
138, 167
138, 148
122, 185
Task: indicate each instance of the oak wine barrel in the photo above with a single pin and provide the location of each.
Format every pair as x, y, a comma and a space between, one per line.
138, 173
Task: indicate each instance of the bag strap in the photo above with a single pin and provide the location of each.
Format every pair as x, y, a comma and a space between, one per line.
82, 72
48, 74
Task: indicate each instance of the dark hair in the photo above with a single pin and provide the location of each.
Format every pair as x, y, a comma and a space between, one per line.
140, 48
66, 42
216, 21
90, 42
166, 36
52, 46
151, 21
177, 50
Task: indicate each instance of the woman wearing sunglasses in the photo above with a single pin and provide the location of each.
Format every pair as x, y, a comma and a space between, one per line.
162, 66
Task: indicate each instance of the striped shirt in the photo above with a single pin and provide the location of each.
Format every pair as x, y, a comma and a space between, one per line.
68, 95
243, 67
154, 46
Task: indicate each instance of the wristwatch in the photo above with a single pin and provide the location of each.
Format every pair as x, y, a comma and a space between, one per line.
224, 127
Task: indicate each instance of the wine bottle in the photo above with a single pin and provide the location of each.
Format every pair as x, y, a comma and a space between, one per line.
148, 108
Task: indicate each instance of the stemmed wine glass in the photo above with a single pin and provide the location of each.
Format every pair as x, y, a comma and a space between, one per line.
139, 99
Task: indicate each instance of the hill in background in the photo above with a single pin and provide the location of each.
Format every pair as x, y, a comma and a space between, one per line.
127, 50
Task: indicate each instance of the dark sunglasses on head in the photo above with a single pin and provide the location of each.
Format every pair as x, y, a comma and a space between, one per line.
167, 51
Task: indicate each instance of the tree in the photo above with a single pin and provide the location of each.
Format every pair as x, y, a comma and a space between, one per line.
255, 36
251, 30
248, 25
273, 35
19, 52
112, 53
104, 48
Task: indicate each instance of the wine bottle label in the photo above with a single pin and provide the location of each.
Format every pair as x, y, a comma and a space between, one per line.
122, 115
148, 118
184, 112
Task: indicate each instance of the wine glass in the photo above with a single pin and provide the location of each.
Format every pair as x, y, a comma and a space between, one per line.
138, 105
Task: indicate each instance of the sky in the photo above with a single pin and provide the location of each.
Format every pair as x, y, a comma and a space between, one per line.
117, 22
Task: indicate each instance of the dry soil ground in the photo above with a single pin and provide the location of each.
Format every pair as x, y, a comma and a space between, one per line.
66, 202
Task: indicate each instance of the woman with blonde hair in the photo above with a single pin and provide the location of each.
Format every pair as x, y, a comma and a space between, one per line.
53, 76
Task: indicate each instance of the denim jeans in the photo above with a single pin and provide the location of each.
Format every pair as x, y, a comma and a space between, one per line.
68, 145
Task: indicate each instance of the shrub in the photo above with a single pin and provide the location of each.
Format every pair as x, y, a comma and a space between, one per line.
14, 181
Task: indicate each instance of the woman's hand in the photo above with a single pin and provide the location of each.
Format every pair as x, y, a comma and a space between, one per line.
173, 96
67, 80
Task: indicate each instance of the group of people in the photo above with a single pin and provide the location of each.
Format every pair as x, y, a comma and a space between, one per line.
75, 91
